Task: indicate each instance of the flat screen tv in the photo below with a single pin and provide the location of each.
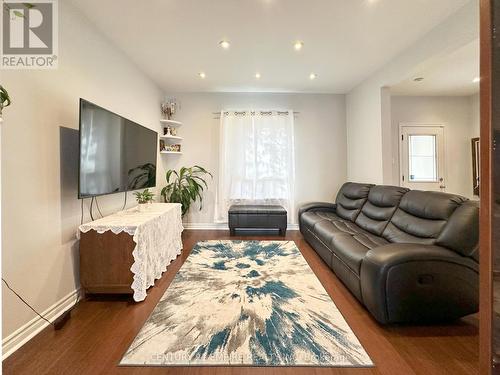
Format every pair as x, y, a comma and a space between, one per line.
116, 154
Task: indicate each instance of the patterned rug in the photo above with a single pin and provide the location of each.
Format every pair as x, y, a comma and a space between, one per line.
246, 303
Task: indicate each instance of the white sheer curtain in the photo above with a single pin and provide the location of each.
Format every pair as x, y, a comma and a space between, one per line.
256, 164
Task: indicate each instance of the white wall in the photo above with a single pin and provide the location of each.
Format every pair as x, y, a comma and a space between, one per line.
367, 118
476, 115
320, 140
40, 209
457, 116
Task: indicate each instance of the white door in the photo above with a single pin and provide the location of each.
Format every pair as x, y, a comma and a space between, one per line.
422, 157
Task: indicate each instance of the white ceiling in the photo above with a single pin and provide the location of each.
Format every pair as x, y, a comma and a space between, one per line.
451, 74
345, 40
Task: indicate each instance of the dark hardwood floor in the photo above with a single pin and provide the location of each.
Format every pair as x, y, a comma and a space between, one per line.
101, 329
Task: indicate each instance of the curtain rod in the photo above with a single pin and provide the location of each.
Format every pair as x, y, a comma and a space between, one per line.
217, 114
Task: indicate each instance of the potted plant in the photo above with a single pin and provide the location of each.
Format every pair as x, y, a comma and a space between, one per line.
143, 198
186, 186
4, 99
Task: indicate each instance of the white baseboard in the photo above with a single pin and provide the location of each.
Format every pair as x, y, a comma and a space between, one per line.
206, 226
222, 226
25, 333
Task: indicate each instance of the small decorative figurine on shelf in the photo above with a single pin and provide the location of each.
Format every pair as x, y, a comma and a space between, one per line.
173, 148
167, 131
169, 108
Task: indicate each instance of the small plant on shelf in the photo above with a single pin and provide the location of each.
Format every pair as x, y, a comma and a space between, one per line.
144, 197
186, 186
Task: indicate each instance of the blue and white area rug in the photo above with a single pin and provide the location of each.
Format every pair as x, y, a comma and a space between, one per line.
246, 303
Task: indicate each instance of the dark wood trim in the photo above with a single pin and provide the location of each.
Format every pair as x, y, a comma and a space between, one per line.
485, 240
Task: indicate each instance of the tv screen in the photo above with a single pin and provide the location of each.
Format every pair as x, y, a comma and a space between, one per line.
116, 154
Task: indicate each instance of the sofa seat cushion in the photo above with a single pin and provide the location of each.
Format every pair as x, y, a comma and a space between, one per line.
322, 223
337, 227
311, 218
370, 240
351, 250
338, 234
326, 215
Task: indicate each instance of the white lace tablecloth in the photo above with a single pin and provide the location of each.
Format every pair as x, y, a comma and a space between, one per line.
157, 234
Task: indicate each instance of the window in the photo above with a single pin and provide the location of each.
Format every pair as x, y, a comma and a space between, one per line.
256, 164
422, 158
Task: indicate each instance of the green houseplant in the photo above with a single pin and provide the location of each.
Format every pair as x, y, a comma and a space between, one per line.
143, 198
4, 99
186, 186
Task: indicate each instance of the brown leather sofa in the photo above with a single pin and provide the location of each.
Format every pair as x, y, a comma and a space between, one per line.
409, 256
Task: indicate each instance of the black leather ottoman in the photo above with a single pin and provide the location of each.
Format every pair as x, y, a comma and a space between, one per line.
257, 217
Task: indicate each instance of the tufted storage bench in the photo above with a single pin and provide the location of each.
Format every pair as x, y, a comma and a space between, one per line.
408, 256
257, 217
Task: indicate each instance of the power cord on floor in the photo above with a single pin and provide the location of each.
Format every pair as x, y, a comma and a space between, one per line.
59, 322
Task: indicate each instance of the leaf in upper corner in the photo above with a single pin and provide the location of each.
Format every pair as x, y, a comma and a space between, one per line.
18, 14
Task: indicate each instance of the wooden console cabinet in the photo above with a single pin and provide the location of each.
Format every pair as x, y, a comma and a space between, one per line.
105, 261
127, 251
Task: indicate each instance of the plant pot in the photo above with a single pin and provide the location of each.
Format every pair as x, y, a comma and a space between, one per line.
143, 207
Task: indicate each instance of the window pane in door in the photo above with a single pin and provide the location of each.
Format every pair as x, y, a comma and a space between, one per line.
422, 158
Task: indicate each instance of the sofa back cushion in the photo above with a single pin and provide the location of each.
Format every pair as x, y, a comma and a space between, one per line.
350, 199
461, 233
421, 216
381, 204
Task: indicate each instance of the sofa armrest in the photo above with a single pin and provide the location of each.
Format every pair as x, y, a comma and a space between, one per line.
317, 206
417, 283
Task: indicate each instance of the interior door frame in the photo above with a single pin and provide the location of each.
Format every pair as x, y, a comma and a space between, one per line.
485, 188
423, 125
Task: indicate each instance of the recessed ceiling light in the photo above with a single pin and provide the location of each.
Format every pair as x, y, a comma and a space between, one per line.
312, 76
224, 44
202, 75
418, 79
298, 45
257, 75
476, 80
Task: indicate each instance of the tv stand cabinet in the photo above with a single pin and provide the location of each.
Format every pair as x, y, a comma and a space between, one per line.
105, 262
126, 252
